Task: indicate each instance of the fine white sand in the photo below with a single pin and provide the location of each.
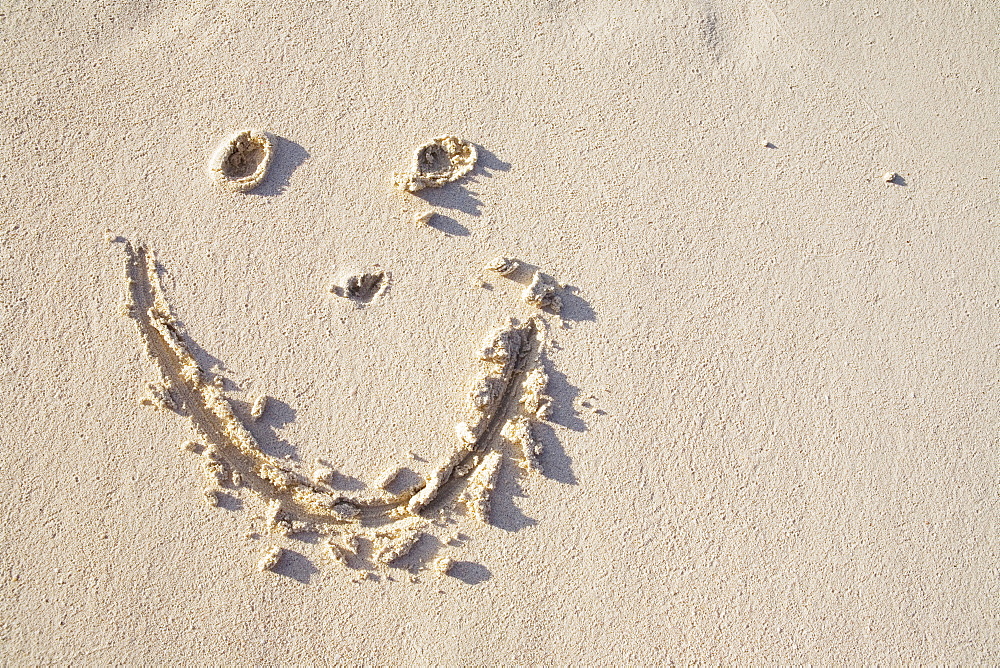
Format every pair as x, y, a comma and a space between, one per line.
773, 432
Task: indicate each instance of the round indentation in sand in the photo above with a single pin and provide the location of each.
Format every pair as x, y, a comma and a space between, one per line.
242, 160
440, 161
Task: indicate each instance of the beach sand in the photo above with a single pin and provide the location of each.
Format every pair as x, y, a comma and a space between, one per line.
773, 429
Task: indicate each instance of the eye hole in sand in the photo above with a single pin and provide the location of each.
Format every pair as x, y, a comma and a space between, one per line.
242, 160
362, 287
438, 162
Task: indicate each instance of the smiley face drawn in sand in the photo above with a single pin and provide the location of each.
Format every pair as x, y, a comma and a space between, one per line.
366, 531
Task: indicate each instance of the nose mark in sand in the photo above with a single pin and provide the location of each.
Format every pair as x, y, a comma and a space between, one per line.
363, 287
270, 559
242, 160
542, 292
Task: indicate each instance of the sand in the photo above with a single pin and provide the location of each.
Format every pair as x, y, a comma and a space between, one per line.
772, 435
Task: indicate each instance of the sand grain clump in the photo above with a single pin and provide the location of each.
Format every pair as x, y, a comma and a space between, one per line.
422, 219
258, 407
542, 293
504, 266
270, 559
476, 495
518, 432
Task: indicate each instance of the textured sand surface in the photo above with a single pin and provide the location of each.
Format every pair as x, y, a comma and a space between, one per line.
774, 433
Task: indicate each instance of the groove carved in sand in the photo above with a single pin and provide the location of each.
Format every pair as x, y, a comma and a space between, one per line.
506, 390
